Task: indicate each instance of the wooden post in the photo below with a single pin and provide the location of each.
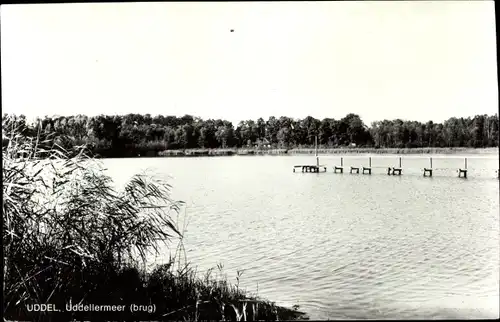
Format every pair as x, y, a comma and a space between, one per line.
465, 163
400, 162
316, 151
341, 161
431, 162
316, 145
370, 162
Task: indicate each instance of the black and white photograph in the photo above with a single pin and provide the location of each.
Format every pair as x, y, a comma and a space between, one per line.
250, 161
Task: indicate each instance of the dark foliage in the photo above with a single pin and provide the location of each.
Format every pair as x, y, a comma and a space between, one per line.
134, 134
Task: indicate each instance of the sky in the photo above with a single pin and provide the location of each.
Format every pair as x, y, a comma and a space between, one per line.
414, 60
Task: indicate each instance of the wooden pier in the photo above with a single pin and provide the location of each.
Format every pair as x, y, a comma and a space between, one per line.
391, 170
312, 168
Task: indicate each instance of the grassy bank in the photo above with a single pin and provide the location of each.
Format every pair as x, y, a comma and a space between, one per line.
397, 151
71, 239
308, 151
220, 152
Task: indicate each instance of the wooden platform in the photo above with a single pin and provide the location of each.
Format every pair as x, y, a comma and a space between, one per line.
340, 169
366, 168
394, 171
309, 168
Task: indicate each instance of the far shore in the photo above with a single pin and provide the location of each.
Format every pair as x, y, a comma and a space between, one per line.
324, 151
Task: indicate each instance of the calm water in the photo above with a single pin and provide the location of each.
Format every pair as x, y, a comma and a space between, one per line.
341, 245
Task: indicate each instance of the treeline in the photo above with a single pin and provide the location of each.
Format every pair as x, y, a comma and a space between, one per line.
136, 134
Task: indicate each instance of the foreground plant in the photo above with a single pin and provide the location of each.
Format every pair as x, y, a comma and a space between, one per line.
62, 218
70, 238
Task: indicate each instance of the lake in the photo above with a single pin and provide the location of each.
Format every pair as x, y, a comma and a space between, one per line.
344, 246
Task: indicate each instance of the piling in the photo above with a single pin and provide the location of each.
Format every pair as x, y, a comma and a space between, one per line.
464, 170
391, 170
394, 170
316, 150
429, 171
369, 169
341, 168
316, 145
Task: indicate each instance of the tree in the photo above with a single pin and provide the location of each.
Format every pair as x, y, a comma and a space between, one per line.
132, 134
284, 137
272, 128
261, 128
478, 131
325, 132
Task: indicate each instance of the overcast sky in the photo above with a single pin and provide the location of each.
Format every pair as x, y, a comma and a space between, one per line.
412, 60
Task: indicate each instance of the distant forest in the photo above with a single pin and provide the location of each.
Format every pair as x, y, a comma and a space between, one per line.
134, 134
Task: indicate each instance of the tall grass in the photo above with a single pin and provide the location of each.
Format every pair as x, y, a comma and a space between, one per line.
322, 150
197, 152
393, 150
220, 152
70, 237
62, 219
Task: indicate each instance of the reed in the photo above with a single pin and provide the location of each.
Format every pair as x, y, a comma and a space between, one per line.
395, 151
220, 152
310, 151
197, 152
70, 237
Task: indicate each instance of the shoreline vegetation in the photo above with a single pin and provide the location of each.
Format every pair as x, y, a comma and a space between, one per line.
323, 151
132, 135
71, 239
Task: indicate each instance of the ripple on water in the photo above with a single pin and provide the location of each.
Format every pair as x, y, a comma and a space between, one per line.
341, 246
